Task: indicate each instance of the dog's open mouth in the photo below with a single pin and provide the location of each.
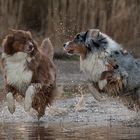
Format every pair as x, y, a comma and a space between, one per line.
69, 52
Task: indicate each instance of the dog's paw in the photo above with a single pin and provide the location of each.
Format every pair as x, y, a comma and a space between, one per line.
10, 102
29, 98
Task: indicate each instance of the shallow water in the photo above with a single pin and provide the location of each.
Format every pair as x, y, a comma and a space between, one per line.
27, 131
96, 121
110, 120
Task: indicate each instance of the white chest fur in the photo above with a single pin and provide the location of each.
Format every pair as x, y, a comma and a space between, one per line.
16, 71
93, 66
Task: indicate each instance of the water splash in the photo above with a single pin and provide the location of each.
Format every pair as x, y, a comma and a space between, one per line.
96, 113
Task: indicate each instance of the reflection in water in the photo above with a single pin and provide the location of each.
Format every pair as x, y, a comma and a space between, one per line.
28, 131
108, 121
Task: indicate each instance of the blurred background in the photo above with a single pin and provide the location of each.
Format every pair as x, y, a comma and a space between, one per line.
62, 19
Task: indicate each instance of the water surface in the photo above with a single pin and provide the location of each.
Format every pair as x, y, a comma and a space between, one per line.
27, 131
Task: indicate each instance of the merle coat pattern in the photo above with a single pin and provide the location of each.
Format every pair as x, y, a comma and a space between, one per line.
107, 66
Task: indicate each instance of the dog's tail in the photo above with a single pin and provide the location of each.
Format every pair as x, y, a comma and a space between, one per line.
47, 48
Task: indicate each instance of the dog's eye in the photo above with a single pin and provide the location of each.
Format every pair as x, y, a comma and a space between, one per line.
78, 36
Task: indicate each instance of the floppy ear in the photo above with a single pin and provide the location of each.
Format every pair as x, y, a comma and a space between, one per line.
7, 44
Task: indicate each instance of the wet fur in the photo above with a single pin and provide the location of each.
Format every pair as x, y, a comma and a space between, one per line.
107, 66
28, 73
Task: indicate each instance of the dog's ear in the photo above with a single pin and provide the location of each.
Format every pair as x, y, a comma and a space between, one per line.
95, 40
91, 36
7, 44
93, 33
85, 36
81, 37
29, 33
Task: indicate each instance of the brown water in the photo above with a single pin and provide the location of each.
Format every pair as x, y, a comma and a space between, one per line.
43, 131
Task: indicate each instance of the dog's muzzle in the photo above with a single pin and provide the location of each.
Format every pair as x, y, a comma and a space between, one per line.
66, 47
29, 47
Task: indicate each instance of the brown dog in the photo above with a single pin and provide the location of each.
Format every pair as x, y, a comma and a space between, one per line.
28, 71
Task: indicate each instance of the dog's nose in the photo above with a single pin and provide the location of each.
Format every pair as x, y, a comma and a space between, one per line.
64, 45
29, 47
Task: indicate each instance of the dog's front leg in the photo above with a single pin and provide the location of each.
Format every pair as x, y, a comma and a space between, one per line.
29, 95
95, 92
10, 92
30, 92
10, 102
